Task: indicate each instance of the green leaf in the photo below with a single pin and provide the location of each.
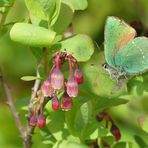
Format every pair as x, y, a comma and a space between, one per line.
140, 142
34, 6
30, 78
104, 103
108, 139
138, 85
56, 12
51, 9
32, 35
37, 52
70, 144
56, 122
80, 46
48, 7
44, 9
79, 117
94, 129
83, 116
122, 145
78, 4
25, 108
64, 18
47, 136
97, 80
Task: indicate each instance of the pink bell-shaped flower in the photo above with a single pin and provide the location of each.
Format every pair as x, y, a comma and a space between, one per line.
47, 89
66, 102
55, 103
57, 78
41, 121
33, 121
78, 76
72, 87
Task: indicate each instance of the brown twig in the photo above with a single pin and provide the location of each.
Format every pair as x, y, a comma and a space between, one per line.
26, 133
30, 129
12, 107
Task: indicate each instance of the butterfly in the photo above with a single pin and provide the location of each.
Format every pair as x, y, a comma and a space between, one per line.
126, 55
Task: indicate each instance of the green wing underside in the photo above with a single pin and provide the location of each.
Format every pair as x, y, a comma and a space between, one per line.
133, 57
117, 34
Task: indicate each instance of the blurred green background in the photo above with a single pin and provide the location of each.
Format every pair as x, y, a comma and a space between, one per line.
16, 61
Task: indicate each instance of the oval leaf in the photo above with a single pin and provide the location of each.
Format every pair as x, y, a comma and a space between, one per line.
79, 117
78, 4
32, 35
62, 22
29, 78
80, 46
34, 6
70, 144
97, 80
51, 9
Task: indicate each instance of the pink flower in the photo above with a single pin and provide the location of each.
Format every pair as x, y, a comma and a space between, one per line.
72, 87
33, 120
47, 89
78, 76
41, 121
57, 78
66, 102
55, 103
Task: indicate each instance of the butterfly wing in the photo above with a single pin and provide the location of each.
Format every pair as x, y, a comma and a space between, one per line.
133, 57
117, 34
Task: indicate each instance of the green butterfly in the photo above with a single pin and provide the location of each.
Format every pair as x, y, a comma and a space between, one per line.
125, 55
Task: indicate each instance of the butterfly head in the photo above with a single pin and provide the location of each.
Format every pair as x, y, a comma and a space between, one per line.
114, 73
105, 66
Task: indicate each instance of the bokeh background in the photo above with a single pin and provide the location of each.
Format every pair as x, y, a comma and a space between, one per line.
16, 61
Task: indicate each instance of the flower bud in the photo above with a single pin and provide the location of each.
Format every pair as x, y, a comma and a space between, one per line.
41, 121
78, 76
72, 87
57, 78
116, 132
33, 120
55, 103
66, 102
47, 89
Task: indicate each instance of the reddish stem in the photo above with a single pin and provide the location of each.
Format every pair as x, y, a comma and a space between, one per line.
77, 64
35, 108
70, 66
58, 61
53, 67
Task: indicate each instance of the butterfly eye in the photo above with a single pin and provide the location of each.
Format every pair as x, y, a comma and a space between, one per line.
104, 66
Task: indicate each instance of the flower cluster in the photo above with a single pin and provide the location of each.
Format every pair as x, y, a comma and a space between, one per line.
56, 83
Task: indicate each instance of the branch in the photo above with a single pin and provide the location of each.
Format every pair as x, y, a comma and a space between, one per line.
12, 107
34, 91
26, 134
30, 129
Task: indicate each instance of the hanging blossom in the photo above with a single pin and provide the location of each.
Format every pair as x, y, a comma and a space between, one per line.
56, 83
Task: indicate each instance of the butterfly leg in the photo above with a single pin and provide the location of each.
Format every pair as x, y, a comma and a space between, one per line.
120, 82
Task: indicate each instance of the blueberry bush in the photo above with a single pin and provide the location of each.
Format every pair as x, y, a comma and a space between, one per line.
57, 93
